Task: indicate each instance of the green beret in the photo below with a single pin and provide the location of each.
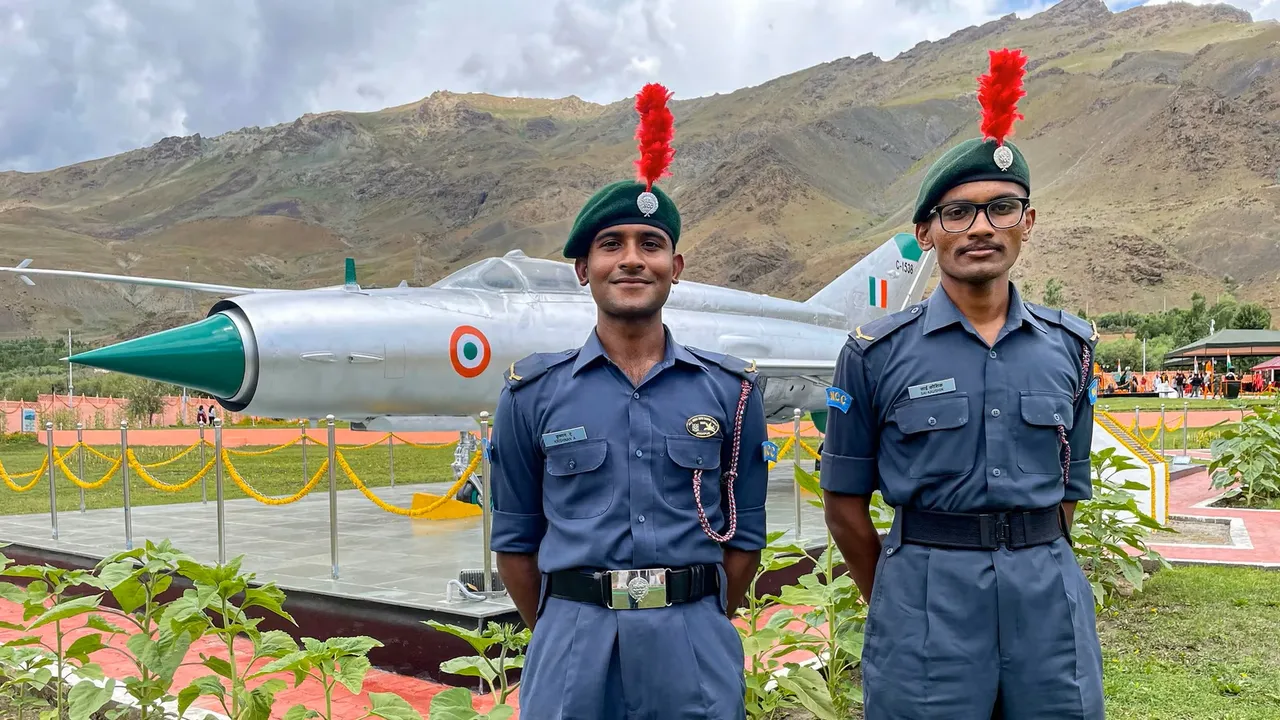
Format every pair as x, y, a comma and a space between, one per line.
622, 203
970, 161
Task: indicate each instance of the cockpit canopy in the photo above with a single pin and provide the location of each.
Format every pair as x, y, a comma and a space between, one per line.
514, 272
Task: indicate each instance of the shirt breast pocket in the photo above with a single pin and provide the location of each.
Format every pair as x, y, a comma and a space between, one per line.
577, 485
1039, 448
685, 455
935, 436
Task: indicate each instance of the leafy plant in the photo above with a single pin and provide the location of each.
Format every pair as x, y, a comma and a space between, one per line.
1246, 460
759, 643
24, 677
493, 671
341, 660
455, 704
1107, 524
44, 603
211, 608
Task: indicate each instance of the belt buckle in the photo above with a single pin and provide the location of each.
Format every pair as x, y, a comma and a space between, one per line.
1003, 536
638, 589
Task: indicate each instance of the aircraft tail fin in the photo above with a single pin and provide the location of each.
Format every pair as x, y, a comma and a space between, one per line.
887, 280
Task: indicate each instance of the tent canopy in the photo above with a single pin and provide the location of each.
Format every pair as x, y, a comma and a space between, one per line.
1242, 343
1272, 364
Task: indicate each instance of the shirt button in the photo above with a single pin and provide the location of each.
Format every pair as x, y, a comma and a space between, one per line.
888, 551
993, 354
1057, 417
636, 396
995, 412
639, 453
641, 518
933, 421
996, 472
572, 464
699, 461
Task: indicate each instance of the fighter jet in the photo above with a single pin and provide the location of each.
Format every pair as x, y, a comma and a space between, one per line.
434, 357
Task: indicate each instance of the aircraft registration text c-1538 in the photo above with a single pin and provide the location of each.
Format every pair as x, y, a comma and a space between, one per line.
435, 357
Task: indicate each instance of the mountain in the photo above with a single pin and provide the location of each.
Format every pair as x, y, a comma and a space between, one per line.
1153, 136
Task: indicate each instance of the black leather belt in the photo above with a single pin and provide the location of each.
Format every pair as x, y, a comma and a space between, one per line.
982, 531
636, 589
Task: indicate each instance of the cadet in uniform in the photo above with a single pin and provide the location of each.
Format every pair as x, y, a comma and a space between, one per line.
629, 483
972, 414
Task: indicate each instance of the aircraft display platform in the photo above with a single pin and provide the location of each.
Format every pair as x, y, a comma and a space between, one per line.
383, 559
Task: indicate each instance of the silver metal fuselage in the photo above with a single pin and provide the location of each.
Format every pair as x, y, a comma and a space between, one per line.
364, 354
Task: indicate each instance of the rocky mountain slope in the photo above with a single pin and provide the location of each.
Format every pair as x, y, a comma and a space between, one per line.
1154, 138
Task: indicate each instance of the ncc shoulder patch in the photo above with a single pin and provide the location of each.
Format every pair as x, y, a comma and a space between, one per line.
864, 336
838, 398
770, 451
531, 367
1093, 391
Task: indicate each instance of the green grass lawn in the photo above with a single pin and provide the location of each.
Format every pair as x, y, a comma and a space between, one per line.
273, 475
1126, 404
1197, 643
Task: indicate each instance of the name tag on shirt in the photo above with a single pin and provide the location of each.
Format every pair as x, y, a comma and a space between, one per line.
561, 437
939, 387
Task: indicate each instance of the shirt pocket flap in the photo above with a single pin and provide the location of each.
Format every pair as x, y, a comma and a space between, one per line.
579, 457
944, 413
1047, 410
694, 453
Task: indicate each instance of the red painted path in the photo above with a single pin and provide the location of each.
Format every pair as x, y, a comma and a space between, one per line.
1263, 526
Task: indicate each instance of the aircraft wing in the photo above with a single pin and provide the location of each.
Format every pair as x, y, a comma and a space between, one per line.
24, 271
796, 368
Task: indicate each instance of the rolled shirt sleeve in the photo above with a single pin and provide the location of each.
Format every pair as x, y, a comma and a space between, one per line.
851, 444
750, 487
1079, 480
518, 522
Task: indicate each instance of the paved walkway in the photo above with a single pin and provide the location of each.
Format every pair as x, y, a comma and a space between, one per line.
1149, 419
1257, 532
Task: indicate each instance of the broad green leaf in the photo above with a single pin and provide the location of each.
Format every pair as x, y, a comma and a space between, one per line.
275, 644
501, 712
83, 646
261, 700
67, 609
296, 659
452, 704
97, 622
352, 645
807, 482
129, 595
86, 698
12, 593
268, 597
810, 690
218, 665
393, 707
24, 640
115, 573
209, 685
475, 639
351, 672
91, 670
300, 712
469, 666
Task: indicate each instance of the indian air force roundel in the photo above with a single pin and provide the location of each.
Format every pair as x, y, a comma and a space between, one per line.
468, 351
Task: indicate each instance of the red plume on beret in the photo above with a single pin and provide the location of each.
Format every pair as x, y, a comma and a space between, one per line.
999, 92
654, 133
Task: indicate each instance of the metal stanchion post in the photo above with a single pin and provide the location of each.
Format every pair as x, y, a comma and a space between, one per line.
1137, 421
333, 497
124, 476
80, 458
485, 515
391, 457
218, 497
302, 427
204, 491
795, 439
1186, 449
1162, 431
53, 486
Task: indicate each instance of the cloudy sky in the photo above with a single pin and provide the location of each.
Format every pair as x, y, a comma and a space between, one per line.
83, 79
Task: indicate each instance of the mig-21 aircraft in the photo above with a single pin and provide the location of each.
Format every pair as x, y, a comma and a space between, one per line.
410, 358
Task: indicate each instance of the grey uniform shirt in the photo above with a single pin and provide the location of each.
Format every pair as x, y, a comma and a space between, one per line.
590, 471
925, 411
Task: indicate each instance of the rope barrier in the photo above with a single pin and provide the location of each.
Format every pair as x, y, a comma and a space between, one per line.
428, 446
140, 469
35, 476
259, 453
448, 495
782, 450
812, 453
248, 490
59, 459
171, 460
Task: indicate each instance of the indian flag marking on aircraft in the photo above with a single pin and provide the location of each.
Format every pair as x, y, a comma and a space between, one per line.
878, 293
468, 351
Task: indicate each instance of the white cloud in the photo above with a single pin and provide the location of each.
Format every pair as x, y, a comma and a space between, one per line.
86, 81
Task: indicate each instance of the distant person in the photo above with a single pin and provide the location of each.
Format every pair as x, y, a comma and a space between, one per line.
1179, 384
201, 418
212, 414
1197, 385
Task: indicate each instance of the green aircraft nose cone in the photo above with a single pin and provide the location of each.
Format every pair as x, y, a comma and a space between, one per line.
206, 355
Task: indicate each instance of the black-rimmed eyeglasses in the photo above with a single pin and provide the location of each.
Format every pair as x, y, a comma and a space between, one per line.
1002, 213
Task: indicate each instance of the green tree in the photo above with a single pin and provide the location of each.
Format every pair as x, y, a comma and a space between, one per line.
1053, 293
1251, 316
146, 398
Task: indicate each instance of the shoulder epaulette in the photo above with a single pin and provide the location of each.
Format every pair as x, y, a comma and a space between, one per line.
531, 367
864, 336
737, 366
1072, 323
